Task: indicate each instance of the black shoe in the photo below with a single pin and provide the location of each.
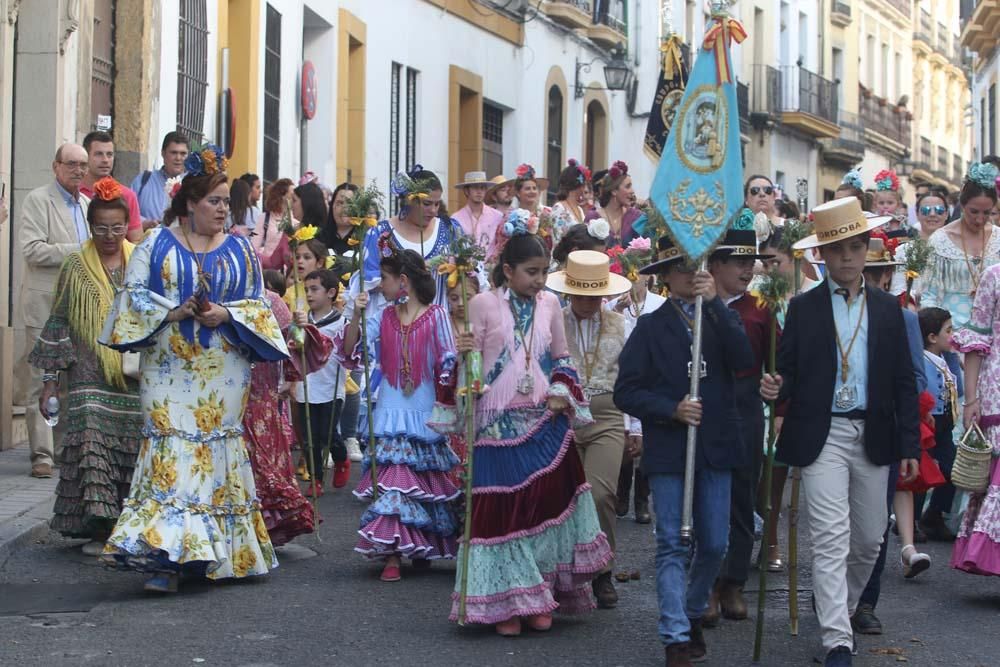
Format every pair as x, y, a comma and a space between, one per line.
621, 508
604, 591
642, 514
935, 528
865, 621
838, 657
678, 655
697, 649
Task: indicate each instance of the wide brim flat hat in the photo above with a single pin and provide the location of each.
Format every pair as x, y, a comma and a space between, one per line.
474, 178
666, 253
497, 183
838, 220
740, 243
588, 273
877, 255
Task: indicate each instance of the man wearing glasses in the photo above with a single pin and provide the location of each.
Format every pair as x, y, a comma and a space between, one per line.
53, 223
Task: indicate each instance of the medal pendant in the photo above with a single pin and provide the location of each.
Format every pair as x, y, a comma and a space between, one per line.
408, 387
526, 384
846, 398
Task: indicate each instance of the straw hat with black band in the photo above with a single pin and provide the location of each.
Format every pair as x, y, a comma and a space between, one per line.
838, 220
588, 273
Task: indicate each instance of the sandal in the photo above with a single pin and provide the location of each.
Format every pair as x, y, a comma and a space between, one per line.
915, 563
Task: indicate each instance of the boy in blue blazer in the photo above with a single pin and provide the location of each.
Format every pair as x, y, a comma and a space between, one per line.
653, 383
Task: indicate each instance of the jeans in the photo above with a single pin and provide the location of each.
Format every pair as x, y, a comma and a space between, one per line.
352, 405
873, 589
323, 418
736, 567
683, 594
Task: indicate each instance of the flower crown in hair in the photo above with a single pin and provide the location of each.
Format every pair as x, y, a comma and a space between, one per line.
582, 171
525, 172
599, 228
409, 186
983, 174
107, 189
206, 160
386, 247
520, 222
853, 178
618, 170
886, 181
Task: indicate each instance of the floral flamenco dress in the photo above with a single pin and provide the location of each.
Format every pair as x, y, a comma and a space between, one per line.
413, 516
269, 437
977, 547
536, 543
193, 505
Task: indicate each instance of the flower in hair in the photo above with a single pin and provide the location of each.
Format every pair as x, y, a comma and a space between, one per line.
617, 170
107, 189
983, 174
853, 178
206, 160
173, 186
582, 172
599, 229
639, 244
886, 181
520, 222
525, 172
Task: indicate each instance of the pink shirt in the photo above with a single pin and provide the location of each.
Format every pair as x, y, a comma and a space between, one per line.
134, 219
482, 230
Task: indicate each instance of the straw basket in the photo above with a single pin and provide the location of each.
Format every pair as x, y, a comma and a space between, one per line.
971, 471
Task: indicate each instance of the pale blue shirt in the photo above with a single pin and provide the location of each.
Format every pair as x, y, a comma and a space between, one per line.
153, 200
76, 212
845, 317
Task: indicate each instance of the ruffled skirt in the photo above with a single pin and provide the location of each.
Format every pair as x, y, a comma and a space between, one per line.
536, 540
977, 548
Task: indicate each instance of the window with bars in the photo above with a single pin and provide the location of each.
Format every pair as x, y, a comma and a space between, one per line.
492, 139
272, 94
192, 68
553, 142
991, 121
402, 123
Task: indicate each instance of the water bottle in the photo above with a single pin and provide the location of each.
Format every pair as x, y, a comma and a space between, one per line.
52, 411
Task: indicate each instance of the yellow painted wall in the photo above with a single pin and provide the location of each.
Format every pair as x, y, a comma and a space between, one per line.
239, 29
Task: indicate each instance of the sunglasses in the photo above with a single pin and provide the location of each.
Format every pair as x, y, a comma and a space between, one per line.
755, 190
940, 209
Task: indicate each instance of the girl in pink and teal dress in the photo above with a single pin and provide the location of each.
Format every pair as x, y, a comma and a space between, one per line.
413, 515
536, 543
977, 549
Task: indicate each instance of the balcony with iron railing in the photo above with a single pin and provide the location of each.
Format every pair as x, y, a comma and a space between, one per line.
572, 14
957, 169
764, 96
924, 157
942, 164
847, 150
840, 12
923, 31
884, 122
808, 102
608, 28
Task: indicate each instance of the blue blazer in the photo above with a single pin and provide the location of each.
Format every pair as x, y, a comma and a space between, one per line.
653, 379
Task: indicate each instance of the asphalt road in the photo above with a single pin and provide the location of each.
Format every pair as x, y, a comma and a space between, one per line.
329, 608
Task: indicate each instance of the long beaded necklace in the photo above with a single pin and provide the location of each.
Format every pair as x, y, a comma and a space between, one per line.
846, 397
590, 356
975, 274
406, 372
526, 385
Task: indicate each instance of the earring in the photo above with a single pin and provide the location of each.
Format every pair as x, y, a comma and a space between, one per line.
403, 296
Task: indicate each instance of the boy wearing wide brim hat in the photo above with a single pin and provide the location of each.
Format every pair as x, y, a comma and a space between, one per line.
595, 338
476, 218
500, 194
732, 265
851, 411
653, 384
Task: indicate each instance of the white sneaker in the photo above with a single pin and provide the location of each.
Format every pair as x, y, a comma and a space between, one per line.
914, 563
353, 449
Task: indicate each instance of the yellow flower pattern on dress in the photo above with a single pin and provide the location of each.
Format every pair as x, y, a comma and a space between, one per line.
193, 495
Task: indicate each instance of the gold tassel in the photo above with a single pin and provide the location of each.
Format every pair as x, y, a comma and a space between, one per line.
672, 61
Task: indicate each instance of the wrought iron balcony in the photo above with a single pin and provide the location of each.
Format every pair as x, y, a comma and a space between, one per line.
848, 149
809, 102
609, 27
942, 39
573, 14
925, 153
942, 162
765, 96
879, 117
923, 32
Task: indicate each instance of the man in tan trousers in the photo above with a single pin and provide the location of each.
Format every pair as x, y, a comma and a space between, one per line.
52, 224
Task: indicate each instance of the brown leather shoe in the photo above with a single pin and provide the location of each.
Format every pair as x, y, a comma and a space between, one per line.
712, 613
697, 649
731, 600
678, 655
604, 591
41, 470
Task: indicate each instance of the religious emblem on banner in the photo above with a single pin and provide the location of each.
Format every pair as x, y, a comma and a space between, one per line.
669, 92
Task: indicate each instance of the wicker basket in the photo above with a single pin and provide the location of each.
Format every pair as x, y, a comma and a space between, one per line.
971, 471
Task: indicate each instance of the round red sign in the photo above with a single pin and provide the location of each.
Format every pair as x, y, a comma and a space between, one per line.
309, 90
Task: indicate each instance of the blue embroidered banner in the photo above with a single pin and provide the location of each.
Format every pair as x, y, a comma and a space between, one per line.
698, 187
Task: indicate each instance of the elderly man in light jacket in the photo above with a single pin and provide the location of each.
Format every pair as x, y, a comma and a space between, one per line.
52, 224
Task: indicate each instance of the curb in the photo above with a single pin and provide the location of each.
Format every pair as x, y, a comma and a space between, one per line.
24, 529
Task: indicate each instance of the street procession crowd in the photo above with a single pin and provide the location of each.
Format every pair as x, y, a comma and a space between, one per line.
514, 378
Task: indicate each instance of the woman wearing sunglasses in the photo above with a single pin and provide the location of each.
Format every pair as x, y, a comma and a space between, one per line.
932, 214
759, 194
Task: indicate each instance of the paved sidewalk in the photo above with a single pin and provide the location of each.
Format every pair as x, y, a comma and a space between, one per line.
25, 502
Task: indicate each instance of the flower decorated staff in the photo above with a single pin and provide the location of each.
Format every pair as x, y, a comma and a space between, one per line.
918, 254
627, 261
462, 258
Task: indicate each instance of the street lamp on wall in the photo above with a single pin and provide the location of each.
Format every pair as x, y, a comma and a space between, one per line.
616, 73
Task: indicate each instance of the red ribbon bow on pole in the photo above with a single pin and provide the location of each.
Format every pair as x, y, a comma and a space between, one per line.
719, 37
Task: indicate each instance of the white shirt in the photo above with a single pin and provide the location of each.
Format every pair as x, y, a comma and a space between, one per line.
329, 380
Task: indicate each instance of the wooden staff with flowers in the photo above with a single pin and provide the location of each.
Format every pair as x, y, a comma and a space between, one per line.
359, 211
771, 295
918, 253
464, 255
